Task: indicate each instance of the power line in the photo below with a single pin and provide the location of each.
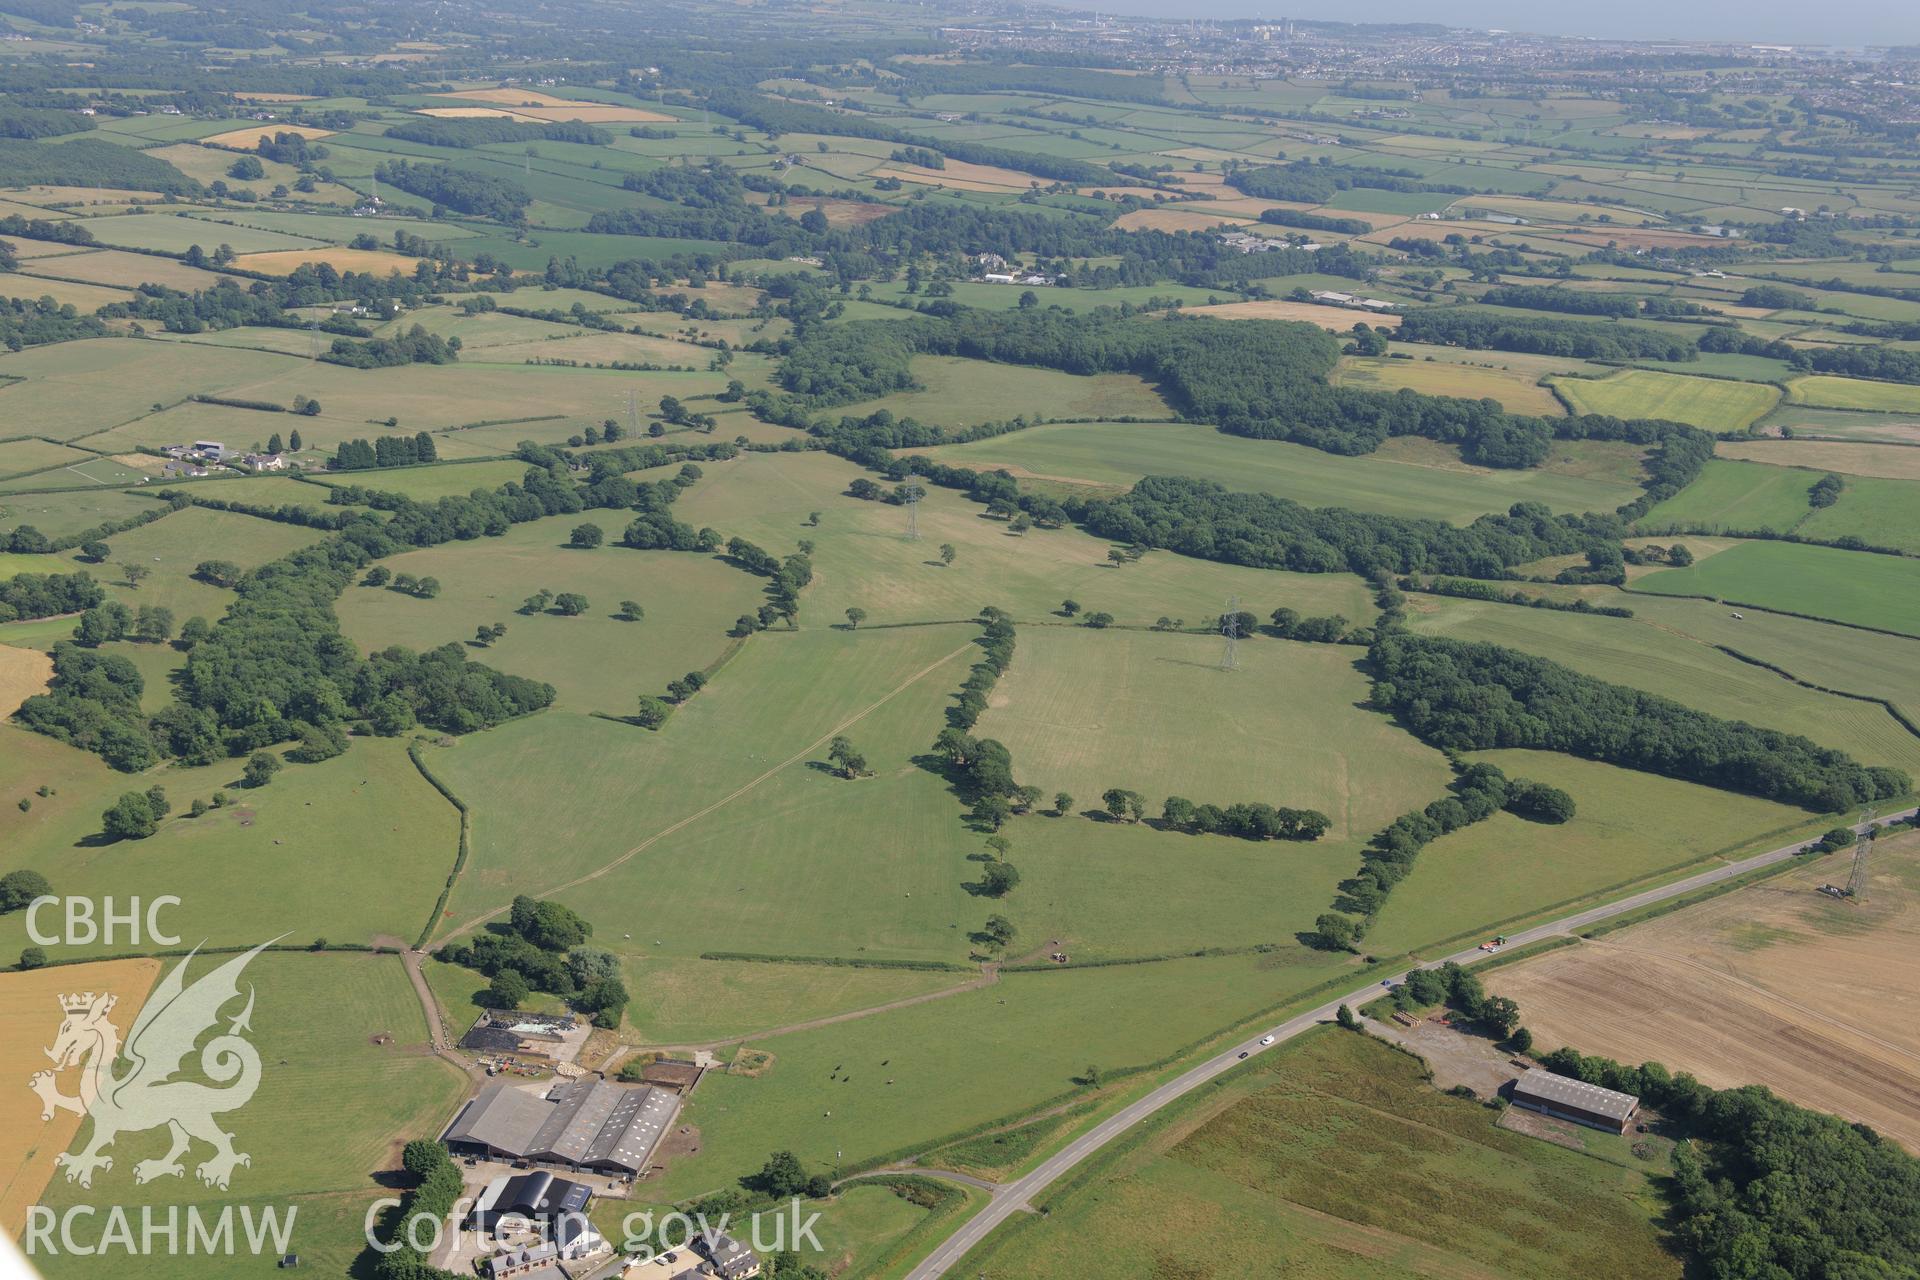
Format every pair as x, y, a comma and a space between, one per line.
912, 496
1857, 881
1230, 628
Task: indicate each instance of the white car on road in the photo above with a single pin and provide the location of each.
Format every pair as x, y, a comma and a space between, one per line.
1265, 1041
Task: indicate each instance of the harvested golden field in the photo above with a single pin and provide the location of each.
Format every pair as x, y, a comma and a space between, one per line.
85, 298
960, 171
505, 96
119, 267
23, 673
1517, 391
1338, 319
1185, 218
840, 213
30, 1010
469, 113
1893, 461
40, 193
1775, 984
281, 261
595, 113
248, 139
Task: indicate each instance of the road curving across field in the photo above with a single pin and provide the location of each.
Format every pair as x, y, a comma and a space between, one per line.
1017, 1196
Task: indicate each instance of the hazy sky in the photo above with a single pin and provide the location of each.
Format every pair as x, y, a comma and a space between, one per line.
1833, 22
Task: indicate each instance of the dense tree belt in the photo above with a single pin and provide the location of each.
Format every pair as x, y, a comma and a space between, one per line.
1769, 1188
464, 135
1867, 362
1257, 378
1315, 222
1462, 696
1204, 519
475, 193
43, 595
1316, 182
89, 162
1584, 339
1555, 297
25, 323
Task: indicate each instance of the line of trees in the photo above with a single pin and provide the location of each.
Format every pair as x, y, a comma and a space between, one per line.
1250, 821
43, 595
1462, 696
384, 451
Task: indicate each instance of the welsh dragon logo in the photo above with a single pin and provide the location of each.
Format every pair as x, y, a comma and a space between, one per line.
146, 1095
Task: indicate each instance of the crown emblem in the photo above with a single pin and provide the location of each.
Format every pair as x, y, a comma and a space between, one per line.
84, 1003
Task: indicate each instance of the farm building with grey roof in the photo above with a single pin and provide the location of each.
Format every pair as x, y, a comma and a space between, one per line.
583, 1124
1565, 1098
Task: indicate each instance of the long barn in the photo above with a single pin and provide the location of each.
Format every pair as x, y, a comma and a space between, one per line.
1565, 1098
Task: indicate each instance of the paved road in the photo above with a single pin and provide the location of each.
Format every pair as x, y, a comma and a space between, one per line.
1013, 1197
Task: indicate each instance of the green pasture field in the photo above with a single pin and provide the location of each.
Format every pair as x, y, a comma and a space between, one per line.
587, 790
1712, 403
1834, 657
596, 348
1368, 200
1335, 1157
478, 332
1737, 495
157, 663
434, 481
349, 849
175, 233
1827, 391
19, 457
253, 428
1005, 297
75, 389
1846, 424
314, 1022
1118, 454
1517, 392
101, 471
864, 559
288, 342
1846, 586
957, 392
1882, 513
1628, 827
969, 1059
597, 662
680, 1001
330, 228
1646, 655
59, 515
1083, 711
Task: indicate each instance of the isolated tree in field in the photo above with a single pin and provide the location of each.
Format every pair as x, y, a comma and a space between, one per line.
261, 766
1000, 929
630, 611
426, 588
999, 846
999, 879
856, 616
1062, 804
1024, 798
570, 604
652, 712
19, 888
1344, 1016
672, 410
1521, 1040
947, 553
405, 583
537, 602
131, 817
1098, 620
587, 536
483, 635
813, 521
1020, 523
1123, 805
275, 444
1069, 607
134, 574
1118, 555
293, 441
96, 552
782, 1176
1679, 556
378, 576
843, 754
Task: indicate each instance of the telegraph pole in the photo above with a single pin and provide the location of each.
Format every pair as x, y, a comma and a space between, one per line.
1230, 628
